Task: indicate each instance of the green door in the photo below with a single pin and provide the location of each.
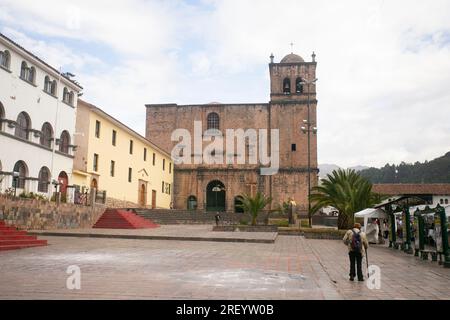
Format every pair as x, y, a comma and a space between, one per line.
215, 196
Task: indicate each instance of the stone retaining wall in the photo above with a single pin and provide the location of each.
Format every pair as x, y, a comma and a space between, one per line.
269, 228
37, 214
118, 204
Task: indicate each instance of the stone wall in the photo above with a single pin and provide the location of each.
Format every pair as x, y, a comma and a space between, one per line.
268, 228
37, 214
116, 203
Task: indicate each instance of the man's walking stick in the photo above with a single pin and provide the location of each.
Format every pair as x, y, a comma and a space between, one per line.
367, 264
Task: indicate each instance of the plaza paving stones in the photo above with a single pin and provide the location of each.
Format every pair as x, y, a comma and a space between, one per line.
166, 232
290, 268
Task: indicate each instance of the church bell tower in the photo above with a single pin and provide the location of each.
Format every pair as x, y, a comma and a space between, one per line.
292, 110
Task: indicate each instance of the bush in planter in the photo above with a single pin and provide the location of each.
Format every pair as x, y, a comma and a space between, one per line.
254, 205
304, 223
279, 222
243, 222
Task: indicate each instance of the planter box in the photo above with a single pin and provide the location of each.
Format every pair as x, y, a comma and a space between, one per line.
329, 234
244, 228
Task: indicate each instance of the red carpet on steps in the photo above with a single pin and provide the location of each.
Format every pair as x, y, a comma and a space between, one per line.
11, 238
121, 219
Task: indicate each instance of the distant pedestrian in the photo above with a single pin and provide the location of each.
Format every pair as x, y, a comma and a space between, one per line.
217, 219
385, 229
357, 244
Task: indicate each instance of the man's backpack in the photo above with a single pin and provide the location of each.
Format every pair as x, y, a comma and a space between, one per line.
356, 241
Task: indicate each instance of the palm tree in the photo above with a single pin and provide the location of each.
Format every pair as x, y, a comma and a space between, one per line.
348, 192
254, 205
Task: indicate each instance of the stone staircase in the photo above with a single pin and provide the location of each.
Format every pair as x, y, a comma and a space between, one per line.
12, 239
165, 216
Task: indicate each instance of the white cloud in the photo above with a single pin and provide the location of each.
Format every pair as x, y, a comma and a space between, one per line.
383, 66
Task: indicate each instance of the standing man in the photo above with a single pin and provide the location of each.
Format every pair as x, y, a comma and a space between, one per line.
357, 244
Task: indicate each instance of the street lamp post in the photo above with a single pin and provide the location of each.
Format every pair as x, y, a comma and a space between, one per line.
307, 129
15, 180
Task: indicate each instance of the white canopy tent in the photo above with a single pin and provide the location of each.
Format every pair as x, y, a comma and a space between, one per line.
371, 230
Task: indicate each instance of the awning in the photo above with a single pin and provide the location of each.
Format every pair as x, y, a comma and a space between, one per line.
371, 213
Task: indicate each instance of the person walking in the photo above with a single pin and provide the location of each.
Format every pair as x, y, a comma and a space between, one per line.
357, 244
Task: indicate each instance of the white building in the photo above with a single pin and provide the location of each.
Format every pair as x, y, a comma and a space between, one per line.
37, 122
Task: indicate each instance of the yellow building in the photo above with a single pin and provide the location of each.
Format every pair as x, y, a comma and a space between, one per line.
112, 157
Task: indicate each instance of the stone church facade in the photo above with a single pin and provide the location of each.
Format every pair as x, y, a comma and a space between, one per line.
216, 187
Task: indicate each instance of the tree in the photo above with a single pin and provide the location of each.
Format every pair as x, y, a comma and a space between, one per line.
254, 205
434, 171
348, 192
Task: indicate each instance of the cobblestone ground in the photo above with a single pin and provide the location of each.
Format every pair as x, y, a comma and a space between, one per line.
292, 268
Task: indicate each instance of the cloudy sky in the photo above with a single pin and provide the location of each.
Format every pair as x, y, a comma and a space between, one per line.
383, 66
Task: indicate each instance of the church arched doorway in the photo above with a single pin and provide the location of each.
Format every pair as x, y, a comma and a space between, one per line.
143, 195
215, 196
94, 184
63, 180
192, 203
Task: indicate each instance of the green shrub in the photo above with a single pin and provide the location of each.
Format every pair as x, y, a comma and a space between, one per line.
279, 222
32, 195
304, 223
243, 222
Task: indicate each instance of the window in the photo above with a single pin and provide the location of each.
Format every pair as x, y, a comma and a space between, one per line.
114, 137
2, 115
164, 164
145, 154
19, 181
50, 86
27, 73
47, 84
154, 158
24, 70
32, 75
112, 169
441, 201
213, 121
170, 167
46, 135
23, 126
169, 188
95, 164
162, 187
446, 201
64, 142
97, 129
129, 174
54, 87
71, 98
287, 86
66, 95
293, 147
44, 180
298, 85
131, 146
5, 59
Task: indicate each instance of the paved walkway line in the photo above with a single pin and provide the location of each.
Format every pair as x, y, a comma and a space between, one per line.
150, 237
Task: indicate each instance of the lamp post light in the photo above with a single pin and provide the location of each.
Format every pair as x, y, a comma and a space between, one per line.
56, 183
15, 180
309, 128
